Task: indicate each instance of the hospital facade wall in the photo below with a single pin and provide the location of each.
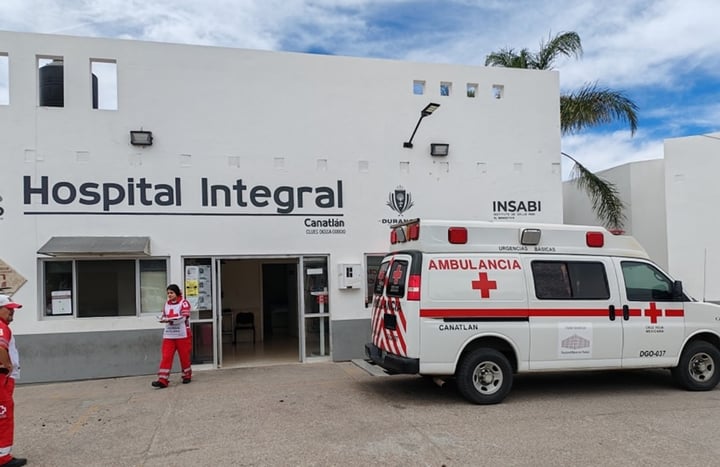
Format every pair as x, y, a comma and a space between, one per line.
252, 151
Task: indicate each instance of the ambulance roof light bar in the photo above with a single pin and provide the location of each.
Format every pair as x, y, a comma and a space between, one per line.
457, 235
414, 231
530, 236
405, 231
594, 239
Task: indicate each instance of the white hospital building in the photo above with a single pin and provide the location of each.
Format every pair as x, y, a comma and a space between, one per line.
672, 209
263, 183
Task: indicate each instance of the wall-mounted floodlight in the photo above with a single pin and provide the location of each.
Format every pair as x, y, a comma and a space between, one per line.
428, 110
141, 138
439, 149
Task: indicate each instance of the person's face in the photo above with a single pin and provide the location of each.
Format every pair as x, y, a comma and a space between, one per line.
6, 314
171, 295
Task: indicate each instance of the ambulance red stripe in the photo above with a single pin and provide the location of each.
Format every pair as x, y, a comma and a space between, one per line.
398, 307
387, 334
401, 328
531, 313
389, 344
474, 313
396, 337
377, 323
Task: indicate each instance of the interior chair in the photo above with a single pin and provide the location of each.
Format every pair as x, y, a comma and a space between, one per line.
244, 320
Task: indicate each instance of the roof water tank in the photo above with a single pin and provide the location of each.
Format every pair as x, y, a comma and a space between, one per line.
51, 84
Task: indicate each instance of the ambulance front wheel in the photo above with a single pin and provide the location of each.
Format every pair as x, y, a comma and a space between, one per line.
698, 367
484, 376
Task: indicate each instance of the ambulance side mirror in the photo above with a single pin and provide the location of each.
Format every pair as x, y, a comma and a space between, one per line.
677, 291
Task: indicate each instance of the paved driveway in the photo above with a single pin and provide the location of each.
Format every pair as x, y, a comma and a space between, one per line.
336, 414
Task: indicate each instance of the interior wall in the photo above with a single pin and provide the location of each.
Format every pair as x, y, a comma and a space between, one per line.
280, 293
242, 289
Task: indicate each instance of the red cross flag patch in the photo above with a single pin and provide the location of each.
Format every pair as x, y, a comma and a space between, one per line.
653, 312
484, 285
397, 274
477, 277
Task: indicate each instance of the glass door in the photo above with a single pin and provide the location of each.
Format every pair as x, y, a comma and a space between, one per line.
197, 285
219, 319
315, 332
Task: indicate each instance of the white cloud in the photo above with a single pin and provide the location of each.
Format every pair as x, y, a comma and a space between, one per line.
602, 151
674, 119
627, 42
657, 45
644, 47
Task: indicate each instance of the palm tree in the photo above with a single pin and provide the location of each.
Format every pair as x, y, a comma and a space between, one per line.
586, 107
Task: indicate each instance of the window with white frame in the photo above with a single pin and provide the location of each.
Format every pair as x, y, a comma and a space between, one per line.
4, 79
103, 75
91, 288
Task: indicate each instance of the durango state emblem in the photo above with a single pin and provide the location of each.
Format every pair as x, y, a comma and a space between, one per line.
400, 200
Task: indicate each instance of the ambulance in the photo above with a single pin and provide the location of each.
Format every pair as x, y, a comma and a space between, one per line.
482, 301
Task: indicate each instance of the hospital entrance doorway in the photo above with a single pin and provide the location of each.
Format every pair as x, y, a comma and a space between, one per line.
259, 311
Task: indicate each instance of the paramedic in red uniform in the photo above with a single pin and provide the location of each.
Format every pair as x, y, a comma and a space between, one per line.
9, 371
176, 337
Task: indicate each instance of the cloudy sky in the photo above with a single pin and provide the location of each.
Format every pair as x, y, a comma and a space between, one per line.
664, 54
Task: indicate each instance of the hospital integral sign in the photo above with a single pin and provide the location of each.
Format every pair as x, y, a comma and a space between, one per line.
237, 198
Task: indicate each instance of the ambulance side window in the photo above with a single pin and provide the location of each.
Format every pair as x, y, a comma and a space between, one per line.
380, 279
570, 280
589, 281
396, 279
644, 282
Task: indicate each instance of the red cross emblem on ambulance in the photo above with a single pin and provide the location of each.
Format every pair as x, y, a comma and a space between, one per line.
396, 274
653, 313
484, 285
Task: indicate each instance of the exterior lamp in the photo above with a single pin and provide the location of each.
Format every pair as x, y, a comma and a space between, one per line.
439, 149
141, 138
428, 110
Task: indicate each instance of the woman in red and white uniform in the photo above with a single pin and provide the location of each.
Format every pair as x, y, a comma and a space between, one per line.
176, 337
9, 372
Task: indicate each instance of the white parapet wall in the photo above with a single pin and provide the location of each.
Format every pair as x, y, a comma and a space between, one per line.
693, 220
641, 187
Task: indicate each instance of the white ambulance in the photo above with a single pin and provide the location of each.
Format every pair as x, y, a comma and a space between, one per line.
481, 301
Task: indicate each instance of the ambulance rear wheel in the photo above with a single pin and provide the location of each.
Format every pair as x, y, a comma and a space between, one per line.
484, 376
698, 367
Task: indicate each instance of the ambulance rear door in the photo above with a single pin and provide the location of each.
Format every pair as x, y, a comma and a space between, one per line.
396, 305
466, 296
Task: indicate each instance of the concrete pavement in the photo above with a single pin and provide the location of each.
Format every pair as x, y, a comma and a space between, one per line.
329, 414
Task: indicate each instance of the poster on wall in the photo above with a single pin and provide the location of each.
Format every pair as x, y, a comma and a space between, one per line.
10, 279
198, 287
61, 302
